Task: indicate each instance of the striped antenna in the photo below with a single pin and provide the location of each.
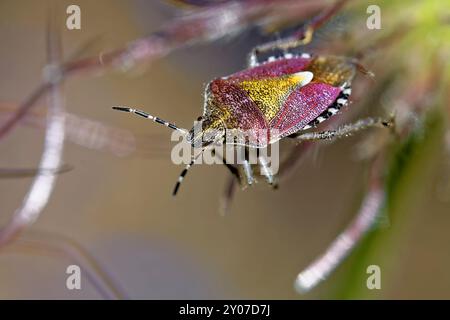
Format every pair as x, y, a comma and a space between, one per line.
184, 172
149, 116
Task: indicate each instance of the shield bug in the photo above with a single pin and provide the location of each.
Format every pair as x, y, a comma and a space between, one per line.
283, 96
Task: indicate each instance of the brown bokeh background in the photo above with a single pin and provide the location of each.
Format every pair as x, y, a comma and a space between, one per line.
122, 210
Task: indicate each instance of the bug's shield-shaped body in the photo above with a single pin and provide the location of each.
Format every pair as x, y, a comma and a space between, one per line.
282, 95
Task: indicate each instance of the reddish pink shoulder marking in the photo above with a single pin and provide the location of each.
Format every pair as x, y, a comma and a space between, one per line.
303, 106
235, 100
273, 69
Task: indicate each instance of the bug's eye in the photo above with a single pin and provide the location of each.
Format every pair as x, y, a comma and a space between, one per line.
200, 118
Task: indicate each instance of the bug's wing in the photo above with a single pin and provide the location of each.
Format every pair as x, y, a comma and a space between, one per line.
325, 95
303, 106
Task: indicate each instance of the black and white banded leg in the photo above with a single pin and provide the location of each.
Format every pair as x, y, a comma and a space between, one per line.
149, 116
345, 130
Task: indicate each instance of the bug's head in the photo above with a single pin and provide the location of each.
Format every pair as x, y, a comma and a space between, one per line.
206, 131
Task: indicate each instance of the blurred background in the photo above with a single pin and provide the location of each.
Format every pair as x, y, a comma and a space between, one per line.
117, 203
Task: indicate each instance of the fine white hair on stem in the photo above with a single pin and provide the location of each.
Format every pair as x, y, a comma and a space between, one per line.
325, 264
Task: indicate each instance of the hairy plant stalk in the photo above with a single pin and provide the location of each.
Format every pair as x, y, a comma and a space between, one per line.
43, 184
340, 248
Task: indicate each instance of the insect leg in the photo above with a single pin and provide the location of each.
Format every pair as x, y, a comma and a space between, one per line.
266, 171
299, 38
228, 194
282, 44
248, 171
305, 34
148, 116
233, 170
345, 130
230, 187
